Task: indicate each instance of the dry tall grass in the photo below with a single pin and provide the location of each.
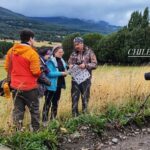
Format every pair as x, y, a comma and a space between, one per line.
37, 43
110, 84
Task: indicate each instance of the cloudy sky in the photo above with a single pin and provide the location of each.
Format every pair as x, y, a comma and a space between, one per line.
116, 12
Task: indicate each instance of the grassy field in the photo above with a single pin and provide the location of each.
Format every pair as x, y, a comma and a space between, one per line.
37, 44
110, 84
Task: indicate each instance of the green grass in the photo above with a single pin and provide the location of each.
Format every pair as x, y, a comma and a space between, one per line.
116, 117
30, 141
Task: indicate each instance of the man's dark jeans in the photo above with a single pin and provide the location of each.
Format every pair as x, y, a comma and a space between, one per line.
21, 100
82, 89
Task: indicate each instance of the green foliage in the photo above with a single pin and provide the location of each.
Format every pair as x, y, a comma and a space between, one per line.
54, 126
68, 44
113, 115
114, 48
4, 47
91, 39
42, 140
32, 141
135, 20
121, 115
1, 55
116, 116
97, 123
145, 19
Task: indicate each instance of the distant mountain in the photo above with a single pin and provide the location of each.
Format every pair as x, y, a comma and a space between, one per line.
8, 14
11, 23
87, 25
48, 28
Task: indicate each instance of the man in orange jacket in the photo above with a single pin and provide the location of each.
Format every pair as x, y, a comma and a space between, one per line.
22, 61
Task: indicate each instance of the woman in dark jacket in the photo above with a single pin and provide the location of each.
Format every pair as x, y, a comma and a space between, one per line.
57, 67
44, 54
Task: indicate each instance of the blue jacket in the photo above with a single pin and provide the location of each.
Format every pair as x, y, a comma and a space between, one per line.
54, 73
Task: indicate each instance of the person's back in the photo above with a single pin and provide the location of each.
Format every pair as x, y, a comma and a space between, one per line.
23, 63
25, 66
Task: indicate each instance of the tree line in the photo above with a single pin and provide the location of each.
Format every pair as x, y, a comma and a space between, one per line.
114, 48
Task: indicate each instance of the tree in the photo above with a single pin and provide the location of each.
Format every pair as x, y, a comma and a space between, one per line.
68, 44
145, 18
4, 47
91, 39
114, 48
135, 20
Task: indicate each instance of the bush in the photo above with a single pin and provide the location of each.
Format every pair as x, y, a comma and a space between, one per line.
68, 44
4, 47
1, 55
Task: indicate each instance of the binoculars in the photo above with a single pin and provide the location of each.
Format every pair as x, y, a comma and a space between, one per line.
147, 76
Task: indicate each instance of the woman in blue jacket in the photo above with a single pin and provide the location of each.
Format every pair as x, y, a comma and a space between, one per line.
57, 74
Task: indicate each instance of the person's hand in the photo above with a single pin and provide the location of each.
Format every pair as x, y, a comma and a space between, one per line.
70, 66
82, 66
46, 57
64, 74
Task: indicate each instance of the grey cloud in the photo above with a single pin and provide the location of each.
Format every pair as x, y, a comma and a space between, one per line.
115, 12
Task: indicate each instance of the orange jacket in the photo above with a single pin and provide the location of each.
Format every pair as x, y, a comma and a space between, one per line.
25, 66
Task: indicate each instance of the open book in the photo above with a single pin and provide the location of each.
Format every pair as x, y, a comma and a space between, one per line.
79, 75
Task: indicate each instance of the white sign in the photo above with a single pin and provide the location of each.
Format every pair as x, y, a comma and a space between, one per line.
79, 75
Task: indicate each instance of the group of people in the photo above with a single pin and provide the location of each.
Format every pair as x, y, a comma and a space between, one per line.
30, 69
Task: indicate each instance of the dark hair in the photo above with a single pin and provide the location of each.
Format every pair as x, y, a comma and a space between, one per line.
26, 34
43, 51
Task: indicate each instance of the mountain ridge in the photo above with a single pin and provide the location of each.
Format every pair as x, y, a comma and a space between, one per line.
49, 28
